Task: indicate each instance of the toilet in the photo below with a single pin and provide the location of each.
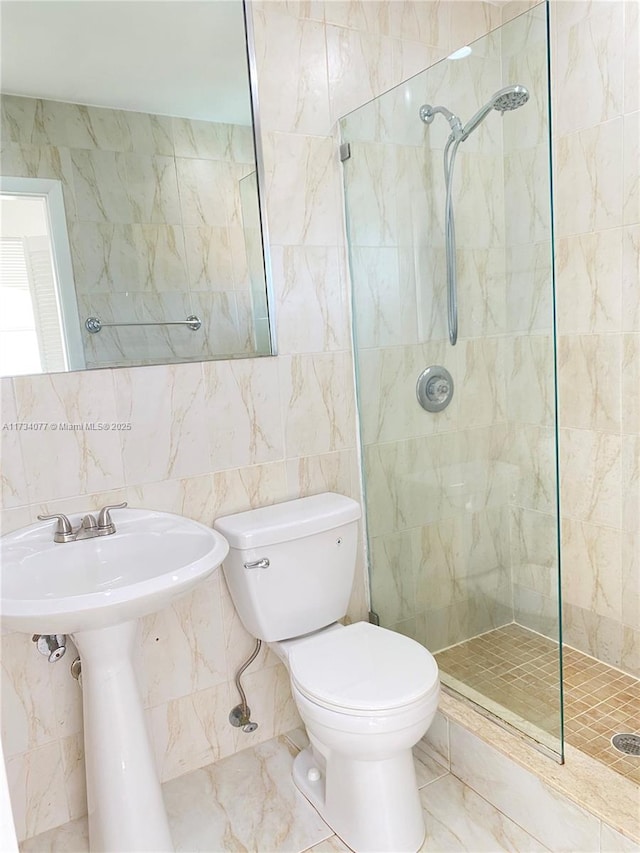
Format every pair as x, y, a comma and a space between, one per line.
365, 694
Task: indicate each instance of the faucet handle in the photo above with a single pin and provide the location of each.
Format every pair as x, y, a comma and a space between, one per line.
64, 525
104, 516
63, 531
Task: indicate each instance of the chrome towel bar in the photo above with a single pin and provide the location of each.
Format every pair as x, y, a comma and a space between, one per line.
94, 324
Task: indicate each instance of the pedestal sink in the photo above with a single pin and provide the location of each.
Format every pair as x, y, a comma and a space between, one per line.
96, 590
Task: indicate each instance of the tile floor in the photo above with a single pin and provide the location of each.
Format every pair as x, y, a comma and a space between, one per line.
248, 802
518, 670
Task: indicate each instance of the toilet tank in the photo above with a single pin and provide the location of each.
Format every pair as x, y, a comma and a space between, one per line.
310, 545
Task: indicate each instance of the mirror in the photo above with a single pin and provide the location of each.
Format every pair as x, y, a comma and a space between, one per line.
131, 229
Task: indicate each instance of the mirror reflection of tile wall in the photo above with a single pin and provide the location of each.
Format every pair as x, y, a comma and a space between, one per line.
155, 224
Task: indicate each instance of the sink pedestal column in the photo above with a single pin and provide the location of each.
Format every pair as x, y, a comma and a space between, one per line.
126, 809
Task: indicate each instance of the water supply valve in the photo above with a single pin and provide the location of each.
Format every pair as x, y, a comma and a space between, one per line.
52, 645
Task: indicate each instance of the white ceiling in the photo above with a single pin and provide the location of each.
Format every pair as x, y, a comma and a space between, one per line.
171, 57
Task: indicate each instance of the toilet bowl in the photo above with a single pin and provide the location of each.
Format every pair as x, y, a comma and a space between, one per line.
365, 694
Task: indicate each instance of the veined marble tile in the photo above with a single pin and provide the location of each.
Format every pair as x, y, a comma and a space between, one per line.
371, 179
165, 406
74, 775
247, 488
521, 796
630, 482
326, 472
384, 298
293, 82
529, 294
596, 635
243, 409
394, 576
206, 192
317, 397
428, 23
436, 741
631, 279
360, 66
589, 377
191, 497
69, 462
12, 478
37, 784
191, 732
589, 272
631, 175
96, 128
72, 837
150, 134
614, 842
631, 53
481, 385
589, 68
101, 186
362, 15
311, 299
182, 646
532, 451
161, 259
530, 381
247, 801
631, 384
208, 253
534, 550
527, 194
29, 718
591, 568
206, 140
330, 845
152, 184
458, 819
589, 166
34, 121
303, 190
590, 465
104, 257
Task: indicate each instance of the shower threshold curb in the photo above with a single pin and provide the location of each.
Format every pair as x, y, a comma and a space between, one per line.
581, 779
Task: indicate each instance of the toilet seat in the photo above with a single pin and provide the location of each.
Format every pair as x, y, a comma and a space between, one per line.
363, 669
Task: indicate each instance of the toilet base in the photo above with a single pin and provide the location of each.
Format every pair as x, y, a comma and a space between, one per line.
374, 806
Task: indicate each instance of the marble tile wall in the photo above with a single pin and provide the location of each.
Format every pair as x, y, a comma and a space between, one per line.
154, 219
597, 160
214, 438
530, 359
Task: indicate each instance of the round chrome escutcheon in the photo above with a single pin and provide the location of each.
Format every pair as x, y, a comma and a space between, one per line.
434, 389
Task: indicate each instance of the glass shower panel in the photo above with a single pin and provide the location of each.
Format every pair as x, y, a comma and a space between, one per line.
462, 504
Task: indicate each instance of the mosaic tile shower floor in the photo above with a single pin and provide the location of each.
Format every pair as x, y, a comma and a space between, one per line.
518, 669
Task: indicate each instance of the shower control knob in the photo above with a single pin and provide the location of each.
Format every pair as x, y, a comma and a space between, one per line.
313, 774
434, 389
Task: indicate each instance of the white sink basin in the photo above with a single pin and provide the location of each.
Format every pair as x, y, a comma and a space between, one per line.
51, 588
95, 590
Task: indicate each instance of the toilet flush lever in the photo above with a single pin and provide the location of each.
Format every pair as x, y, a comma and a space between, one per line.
258, 564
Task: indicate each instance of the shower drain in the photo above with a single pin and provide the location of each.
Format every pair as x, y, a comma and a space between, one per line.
629, 744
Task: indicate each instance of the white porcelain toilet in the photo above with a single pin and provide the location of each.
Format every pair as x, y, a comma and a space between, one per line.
365, 694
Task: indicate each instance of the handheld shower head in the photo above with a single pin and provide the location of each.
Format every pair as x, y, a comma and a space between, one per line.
509, 98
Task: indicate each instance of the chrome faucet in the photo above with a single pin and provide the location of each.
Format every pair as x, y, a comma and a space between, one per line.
88, 528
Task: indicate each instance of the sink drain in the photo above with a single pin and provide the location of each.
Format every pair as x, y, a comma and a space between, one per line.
627, 743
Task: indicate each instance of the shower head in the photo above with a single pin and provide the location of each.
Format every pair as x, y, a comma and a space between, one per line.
509, 98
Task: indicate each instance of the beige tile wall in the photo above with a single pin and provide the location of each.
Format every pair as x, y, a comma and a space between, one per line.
597, 205
214, 438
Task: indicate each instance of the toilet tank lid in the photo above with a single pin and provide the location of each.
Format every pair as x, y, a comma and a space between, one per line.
283, 522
